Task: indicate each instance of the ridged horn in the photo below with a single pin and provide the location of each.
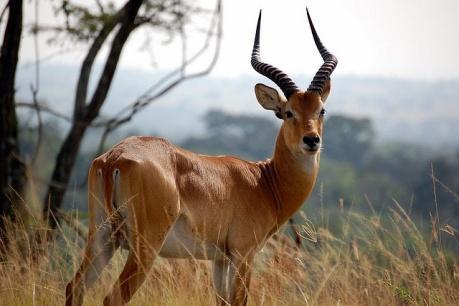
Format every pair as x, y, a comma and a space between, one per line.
276, 75
330, 62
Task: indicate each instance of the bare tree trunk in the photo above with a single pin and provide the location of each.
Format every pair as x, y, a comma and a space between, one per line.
61, 174
12, 169
84, 113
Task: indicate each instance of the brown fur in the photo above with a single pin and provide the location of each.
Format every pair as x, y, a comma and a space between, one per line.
232, 204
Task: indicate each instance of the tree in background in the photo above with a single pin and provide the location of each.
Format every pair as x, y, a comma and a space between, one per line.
85, 113
84, 24
247, 136
348, 139
12, 169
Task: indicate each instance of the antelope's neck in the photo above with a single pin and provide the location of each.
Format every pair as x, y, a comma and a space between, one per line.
290, 178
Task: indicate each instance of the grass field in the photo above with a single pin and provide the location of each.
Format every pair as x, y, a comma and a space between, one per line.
364, 260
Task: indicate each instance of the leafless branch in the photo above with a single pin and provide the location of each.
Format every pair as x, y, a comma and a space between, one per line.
100, 6
184, 50
165, 84
49, 110
52, 55
44, 108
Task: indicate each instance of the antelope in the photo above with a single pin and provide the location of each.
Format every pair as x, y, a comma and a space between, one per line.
156, 199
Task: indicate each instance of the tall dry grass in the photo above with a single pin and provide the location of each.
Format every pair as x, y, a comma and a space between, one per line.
356, 259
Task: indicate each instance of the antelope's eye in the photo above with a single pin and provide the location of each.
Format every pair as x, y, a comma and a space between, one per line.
288, 114
323, 111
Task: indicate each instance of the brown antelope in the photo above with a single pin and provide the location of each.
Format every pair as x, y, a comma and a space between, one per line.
156, 199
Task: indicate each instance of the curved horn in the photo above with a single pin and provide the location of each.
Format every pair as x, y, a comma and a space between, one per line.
281, 79
318, 82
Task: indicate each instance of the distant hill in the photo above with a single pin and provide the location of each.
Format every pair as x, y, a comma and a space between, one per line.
422, 112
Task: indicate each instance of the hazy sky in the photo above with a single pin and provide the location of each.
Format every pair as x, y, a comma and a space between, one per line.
395, 38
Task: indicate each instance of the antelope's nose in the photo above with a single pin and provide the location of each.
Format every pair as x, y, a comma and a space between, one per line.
312, 141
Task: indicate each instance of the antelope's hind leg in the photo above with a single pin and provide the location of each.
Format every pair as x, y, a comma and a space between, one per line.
152, 210
99, 248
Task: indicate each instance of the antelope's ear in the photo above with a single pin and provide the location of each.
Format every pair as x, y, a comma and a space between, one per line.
269, 98
326, 91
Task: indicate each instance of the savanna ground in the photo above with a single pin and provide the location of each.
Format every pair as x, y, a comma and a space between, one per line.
353, 259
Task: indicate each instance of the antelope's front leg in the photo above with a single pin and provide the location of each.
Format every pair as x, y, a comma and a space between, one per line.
240, 272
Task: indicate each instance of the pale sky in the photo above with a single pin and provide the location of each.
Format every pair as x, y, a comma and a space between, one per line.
393, 38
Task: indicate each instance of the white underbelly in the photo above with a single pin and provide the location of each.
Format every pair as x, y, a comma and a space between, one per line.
180, 242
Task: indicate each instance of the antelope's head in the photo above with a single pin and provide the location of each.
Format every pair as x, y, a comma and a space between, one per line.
302, 111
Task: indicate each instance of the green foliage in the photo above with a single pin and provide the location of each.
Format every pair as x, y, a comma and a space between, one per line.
84, 21
348, 139
338, 180
246, 136
403, 294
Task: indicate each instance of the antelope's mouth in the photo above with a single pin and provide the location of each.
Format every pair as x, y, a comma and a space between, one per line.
310, 150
